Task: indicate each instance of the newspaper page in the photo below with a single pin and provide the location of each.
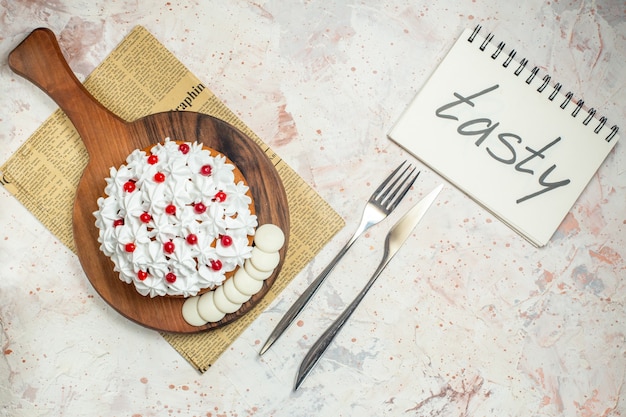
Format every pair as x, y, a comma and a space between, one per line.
138, 78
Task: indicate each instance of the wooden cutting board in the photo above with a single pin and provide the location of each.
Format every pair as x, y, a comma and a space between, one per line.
109, 140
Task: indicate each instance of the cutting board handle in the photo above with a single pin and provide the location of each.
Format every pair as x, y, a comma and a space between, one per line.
39, 59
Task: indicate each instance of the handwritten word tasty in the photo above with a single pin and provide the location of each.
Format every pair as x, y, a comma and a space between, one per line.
508, 148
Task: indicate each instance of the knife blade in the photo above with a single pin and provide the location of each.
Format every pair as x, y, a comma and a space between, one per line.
394, 240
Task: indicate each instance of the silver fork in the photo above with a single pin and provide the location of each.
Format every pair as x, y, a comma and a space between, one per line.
382, 202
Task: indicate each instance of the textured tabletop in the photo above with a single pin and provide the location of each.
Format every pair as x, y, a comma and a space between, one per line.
467, 320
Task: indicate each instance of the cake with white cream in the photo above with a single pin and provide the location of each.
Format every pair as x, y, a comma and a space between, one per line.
176, 219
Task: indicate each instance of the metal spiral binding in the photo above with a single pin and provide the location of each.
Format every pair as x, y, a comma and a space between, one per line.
545, 82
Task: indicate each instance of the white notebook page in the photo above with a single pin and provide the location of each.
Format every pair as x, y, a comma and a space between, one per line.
506, 145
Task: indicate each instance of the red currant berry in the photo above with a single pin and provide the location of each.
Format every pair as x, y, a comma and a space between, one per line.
130, 247
183, 148
220, 196
159, 177
170, 277
199, 208
216, 265
118, 222
170, 209
153, 159
142, 275
192, 239
145, 217
206, 170
226, 240
129, 186
168, 247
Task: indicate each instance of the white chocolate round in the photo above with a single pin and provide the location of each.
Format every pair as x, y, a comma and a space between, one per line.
207, 309
223, 303
233, 294
247, 281
264, 261
190, 312
269, 238
245, 284
255, 273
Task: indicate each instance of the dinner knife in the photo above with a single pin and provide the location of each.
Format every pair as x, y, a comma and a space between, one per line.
394, 240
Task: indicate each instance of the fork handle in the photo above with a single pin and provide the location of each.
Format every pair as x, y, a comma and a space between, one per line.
304, 298
319, 347
365, 223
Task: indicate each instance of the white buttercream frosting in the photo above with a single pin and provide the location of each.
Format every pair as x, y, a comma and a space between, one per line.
174, 221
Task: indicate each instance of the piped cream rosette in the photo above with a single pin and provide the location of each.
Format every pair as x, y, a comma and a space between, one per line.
212, 306
177, 219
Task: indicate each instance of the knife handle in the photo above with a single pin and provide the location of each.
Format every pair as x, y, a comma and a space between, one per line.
319, 347
303, 300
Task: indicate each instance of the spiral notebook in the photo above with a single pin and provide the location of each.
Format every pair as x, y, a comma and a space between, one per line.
505, 135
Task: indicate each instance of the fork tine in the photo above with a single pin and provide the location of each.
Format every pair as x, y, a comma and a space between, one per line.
385, 196
381, 187
390, 205
393, 189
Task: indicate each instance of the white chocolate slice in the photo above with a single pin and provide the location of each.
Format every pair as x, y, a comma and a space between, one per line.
190, 312
269, 238
255, 273
233, 294
245, 284
264, 261
223, 303
207, 309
